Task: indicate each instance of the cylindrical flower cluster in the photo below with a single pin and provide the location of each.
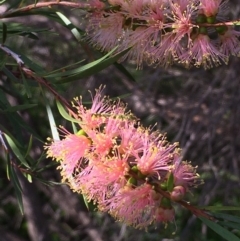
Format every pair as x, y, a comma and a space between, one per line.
163, 32
121, 166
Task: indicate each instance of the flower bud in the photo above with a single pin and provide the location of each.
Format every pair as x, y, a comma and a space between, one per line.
163, 186
178, 193
202, 30
221, 29
165, 215
211, 19
201, 18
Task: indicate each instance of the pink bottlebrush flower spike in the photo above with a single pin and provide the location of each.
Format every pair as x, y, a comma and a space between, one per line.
69, 151
127, 170
161, 32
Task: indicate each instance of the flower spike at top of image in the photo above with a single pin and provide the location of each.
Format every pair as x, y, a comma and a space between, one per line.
164, 32
129, 171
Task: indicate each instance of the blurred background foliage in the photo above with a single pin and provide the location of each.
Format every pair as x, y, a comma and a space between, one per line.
197, 108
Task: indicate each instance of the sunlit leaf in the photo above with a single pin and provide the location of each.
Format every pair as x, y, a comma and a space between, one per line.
70, 26
29, 177
52, 123
75, 130
64, 114
8, 167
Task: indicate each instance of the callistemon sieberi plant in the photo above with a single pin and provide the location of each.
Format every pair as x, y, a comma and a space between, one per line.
127, 170
163, 32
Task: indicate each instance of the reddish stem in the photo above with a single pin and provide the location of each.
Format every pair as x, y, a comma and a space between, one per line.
49, 87
196, 211
86, 6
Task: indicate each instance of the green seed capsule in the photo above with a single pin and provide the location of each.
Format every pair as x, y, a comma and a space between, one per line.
211, 19
221, 29
140, 175
201, 18
134, 169
202, 30
81, 133
163, 186
132, 181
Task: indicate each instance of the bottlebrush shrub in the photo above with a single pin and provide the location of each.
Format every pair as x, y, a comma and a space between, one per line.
163, 32
127, 170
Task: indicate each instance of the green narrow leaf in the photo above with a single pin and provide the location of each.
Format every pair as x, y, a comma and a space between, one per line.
7, 168
16, 151
25, 84
17, 187
93, 68
86, 202
123, 70
52, 123
229, 236
35, 165
10, 75
13, 177
29, 146
46, 167
19, 107
4, 32
228, 217
64, 69
35, 67
51, 119
220, 208
82, 68
230, 225
3, 60
64, 114
70, 26
29, 35
170, 182
75, 130
29, 177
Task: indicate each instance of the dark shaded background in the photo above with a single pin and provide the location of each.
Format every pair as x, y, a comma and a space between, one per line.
197, 108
